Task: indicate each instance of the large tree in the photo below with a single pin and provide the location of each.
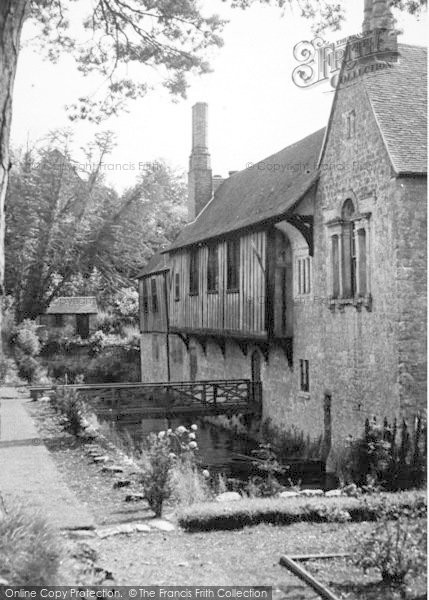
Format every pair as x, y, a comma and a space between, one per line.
66, 229
170, 35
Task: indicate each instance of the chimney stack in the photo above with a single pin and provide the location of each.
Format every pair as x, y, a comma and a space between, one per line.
377, 15
200, 187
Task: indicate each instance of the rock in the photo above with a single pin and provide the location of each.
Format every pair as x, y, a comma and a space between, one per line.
228, 497
101, 459
81, 534
312, 493
334, 493
117, 530
141, 528
121, 483
183, 564
134, 497
162, 525
112, 469
289, 494
3, 582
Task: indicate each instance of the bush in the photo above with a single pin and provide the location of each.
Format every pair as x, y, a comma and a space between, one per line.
155, 477
161, 453
114, 365
291, 443
28, 366
395, 548
8, 319
387, 455
29, 550
236, 515
96, 343
24, 338
189, 485
72, 408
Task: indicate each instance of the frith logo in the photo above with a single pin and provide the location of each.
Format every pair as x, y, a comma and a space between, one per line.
321, 61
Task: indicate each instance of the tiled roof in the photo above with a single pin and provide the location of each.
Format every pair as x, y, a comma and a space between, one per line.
261, 192
157, 263
399, 99
73, 305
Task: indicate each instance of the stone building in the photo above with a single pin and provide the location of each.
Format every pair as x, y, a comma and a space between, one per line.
76, 313
307, 271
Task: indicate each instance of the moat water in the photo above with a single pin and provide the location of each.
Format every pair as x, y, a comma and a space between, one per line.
221, 450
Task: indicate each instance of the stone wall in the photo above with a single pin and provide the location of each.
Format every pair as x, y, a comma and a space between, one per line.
369, 358
411, 282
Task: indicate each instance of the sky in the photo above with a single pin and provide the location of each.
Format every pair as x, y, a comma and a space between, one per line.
255, 109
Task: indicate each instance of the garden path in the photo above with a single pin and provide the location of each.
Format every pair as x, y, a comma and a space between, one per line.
28, 475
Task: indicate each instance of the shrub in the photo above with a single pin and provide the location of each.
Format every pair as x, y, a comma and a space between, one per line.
96, 343
114, 365
107, 322
396, 548
29, 550
24, 337
72, 408
8, 319
387, 455
155, 477
291, 443
28, 366
161, 453
6, 368
265, 459
212, 516
189, 484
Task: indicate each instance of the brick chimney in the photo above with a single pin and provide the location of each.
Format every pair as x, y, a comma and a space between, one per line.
200, 187
377, 15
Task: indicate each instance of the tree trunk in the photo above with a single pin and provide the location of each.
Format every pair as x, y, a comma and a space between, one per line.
12, 14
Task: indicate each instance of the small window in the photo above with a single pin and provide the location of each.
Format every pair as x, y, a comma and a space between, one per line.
335, 267
154, 295
304, 376
177, 287
233, 265
212, 269
145, 297
59, 320
363, 286
351, 124
348, 251
304, 275
193, 272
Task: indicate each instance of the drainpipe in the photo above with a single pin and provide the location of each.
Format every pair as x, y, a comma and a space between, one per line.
167, 324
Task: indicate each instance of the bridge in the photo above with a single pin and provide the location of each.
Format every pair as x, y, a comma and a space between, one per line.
167, 399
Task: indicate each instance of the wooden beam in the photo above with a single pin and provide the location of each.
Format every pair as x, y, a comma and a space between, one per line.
305, 557
305, 576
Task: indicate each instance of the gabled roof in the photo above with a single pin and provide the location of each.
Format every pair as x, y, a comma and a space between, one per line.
398, 96
156, 264
259, 193
73, 305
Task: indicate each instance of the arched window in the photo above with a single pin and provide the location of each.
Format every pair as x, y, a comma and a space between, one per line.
348, 262
349, 240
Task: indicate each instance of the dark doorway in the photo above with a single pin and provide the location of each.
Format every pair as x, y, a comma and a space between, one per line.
283, 286
193, 364
82, 326
256, 379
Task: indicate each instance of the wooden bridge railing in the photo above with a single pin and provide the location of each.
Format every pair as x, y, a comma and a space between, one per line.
222, 394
